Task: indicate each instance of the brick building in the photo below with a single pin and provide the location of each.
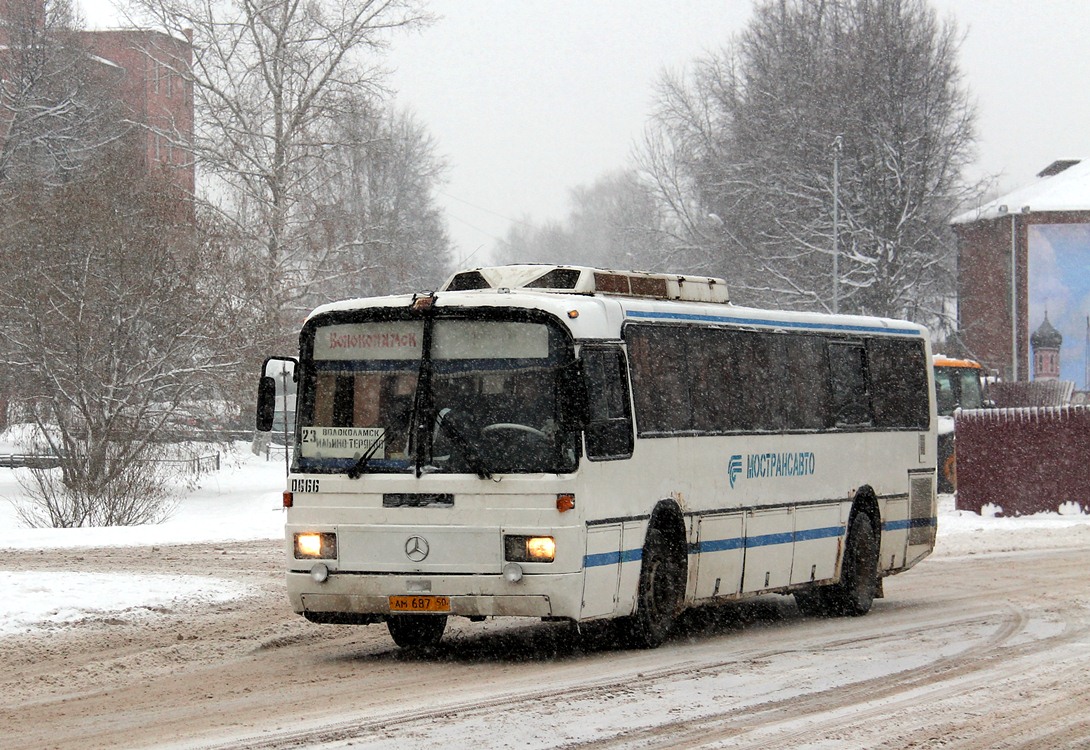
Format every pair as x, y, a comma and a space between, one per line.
995, 315
156, 92
148, 71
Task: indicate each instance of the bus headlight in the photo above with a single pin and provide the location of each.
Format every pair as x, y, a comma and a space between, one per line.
315, 545
529, 548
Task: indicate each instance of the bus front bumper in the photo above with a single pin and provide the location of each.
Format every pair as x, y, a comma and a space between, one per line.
469, 595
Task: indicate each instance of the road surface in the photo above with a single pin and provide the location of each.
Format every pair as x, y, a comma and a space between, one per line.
985, 650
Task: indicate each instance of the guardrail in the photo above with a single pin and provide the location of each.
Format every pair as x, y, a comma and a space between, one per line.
28, 461
193, 465
1023, 460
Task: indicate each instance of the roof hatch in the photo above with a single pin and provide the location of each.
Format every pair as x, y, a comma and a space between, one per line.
583, 280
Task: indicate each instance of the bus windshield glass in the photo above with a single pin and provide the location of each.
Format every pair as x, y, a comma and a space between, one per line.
443, 395
957, 388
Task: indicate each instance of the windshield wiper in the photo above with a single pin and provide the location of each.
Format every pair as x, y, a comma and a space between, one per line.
356, 471
472, 456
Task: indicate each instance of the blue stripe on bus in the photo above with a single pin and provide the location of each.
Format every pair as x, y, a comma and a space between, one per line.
909, 523
825, 533
718, 545
612, 558
770, 323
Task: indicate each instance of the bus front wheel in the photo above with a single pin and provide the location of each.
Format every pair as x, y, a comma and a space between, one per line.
416, 631
661, 593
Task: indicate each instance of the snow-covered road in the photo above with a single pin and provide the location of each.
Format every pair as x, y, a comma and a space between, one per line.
982, 650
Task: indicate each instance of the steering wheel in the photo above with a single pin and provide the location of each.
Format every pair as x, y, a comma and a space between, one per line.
498, 426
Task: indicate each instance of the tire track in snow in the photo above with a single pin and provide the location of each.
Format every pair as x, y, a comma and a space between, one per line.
912, 686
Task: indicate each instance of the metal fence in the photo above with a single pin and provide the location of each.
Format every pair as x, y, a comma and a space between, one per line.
192, 465
1023, 460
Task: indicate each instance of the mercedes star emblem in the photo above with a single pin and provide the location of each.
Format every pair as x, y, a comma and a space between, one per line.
416, 548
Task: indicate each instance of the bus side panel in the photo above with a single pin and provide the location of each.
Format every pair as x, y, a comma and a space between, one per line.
632, 546
719, 556
923, 512
894, 533
602, 571
819, 534
769, 547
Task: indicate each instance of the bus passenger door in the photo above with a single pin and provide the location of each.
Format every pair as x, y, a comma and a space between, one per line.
769, 548
721, 551
601, 570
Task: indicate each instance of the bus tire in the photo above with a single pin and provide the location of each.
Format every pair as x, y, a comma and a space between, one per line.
661, 594
416, 631
858, 585
812, 602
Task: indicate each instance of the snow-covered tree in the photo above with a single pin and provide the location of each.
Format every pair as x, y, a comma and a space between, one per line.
377, 226
858, 99
271, 82
54, 104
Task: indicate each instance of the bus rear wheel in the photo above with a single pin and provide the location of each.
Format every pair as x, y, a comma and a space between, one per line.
858, 586
661, 593
416, 631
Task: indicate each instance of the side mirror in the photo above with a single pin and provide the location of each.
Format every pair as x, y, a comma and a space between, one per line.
275, 371
266, 403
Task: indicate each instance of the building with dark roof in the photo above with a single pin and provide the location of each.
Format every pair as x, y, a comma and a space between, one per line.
1018, 255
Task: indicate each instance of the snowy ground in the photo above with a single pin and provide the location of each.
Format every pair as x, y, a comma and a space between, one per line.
242, 502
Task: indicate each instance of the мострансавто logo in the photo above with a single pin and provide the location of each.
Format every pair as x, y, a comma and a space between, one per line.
734, 468
766, 465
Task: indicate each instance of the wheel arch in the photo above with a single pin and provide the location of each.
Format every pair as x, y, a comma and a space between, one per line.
866, 501
668, 517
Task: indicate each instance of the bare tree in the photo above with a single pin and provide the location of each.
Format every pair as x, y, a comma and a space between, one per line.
377, 226
746, 145
53, 111
117, 311
613, 223
270, 80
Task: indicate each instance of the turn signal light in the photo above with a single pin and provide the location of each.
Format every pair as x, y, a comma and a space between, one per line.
289, 498
565, 502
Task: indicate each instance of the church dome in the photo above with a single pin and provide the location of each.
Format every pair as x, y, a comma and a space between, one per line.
1046, 337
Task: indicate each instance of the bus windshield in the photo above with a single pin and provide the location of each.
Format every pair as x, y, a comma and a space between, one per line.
442, 395
957, 388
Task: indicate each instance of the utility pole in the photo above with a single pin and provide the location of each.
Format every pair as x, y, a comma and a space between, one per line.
838, 145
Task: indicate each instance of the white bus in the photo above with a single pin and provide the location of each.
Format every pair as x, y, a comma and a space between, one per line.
568, 443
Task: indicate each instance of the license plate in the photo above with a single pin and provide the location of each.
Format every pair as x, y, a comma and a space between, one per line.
420, 604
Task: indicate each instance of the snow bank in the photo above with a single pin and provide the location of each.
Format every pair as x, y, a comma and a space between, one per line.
44, 600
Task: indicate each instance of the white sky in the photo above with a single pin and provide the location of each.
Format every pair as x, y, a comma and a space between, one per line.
530, 98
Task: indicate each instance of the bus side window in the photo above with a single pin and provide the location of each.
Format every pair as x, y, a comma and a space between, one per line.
851, 401
609, 423
898, 370
806, 389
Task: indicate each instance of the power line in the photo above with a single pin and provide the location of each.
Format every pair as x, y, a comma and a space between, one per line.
487, 210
